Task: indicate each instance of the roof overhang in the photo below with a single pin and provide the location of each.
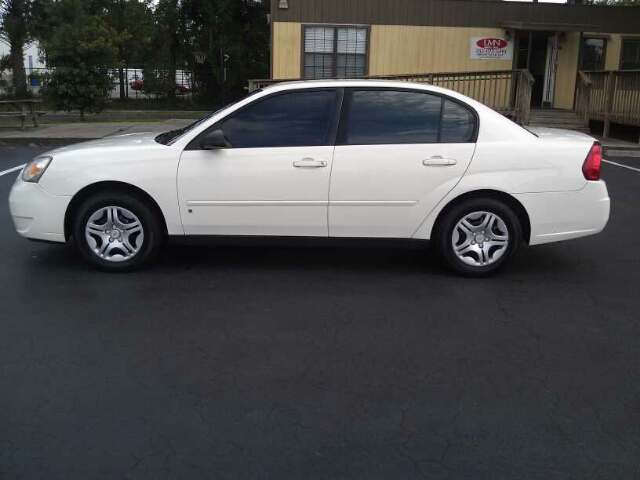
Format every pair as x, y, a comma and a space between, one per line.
554, 27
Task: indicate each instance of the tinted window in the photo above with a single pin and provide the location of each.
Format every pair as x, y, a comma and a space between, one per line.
457, 125
592, 54
630, 55
290, 120
390, 117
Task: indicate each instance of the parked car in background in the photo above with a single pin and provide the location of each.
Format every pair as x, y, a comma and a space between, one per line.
182, 89
138, 85
326, 159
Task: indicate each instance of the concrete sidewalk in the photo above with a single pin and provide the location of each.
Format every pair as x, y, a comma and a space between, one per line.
77, 131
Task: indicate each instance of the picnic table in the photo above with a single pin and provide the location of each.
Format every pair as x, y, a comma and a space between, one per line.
21, 109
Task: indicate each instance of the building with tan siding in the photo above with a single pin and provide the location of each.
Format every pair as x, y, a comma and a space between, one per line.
352, 38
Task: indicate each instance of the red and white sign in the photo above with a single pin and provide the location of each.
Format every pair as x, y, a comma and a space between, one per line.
490, 48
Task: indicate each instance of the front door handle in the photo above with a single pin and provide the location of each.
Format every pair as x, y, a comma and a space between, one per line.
438, 161
310, 163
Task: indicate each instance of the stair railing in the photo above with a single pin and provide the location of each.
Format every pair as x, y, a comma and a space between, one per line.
583, 97
523, 97
610, 96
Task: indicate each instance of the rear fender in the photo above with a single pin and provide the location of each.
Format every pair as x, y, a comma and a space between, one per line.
536, 166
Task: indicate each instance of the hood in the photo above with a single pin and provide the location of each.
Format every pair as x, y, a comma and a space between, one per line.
559, 134
129, 140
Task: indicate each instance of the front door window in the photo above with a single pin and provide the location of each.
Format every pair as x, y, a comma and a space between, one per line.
295, 119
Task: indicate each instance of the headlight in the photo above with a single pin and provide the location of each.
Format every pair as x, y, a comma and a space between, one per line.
35, 168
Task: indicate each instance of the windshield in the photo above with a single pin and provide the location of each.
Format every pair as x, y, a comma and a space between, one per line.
167, 138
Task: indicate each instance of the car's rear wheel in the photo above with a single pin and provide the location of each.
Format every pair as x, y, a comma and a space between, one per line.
477, 237
117, 232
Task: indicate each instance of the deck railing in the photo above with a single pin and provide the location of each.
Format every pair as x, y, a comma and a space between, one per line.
506, 91
611, 96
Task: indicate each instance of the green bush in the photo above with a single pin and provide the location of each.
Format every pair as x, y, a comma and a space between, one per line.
81, 51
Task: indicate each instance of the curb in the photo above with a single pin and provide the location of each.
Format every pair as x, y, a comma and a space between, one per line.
621, 148
616, 151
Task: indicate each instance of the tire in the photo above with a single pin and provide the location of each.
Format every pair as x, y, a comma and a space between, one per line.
468, 246
132, 244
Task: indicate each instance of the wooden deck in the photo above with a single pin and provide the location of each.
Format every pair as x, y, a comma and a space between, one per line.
611, 96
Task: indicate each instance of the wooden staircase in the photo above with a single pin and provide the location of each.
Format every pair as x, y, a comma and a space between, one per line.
557, 118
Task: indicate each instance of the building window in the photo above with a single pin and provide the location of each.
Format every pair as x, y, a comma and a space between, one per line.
335, 52
592, 53
630, 59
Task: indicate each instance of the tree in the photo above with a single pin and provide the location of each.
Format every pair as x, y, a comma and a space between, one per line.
81, 48
168, 44
132, 21
161, 36
14, 29
234, 35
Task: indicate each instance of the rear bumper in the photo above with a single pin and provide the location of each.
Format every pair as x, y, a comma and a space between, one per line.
557, 216
37, 214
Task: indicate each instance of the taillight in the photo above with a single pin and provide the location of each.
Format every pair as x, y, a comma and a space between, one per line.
593, 162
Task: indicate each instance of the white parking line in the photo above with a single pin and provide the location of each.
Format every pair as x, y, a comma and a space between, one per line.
621, 165
14, 169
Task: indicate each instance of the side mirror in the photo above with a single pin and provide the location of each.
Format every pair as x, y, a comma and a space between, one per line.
214, 140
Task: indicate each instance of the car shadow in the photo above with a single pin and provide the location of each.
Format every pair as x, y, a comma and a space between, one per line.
543, 260
312, 258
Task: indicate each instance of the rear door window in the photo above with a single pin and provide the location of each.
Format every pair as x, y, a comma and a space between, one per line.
379, 117
387, 117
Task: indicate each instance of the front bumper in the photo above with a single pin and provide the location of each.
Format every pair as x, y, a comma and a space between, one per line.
557, 216
36, 213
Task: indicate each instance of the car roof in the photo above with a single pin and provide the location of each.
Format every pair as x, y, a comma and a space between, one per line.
346, 82
507, 128
341, 83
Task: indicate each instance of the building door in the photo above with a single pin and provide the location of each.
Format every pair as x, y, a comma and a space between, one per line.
550, 71
532, 55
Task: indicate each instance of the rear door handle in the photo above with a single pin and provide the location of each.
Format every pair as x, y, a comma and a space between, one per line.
438, 161
310, 163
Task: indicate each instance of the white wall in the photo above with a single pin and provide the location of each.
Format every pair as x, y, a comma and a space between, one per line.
31, 55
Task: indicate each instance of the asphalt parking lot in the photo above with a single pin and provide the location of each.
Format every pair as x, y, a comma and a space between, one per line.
323, 362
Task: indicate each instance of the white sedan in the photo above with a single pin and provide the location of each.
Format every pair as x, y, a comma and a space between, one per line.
330, 159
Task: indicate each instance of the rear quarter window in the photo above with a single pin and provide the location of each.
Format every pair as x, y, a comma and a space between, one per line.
458, 123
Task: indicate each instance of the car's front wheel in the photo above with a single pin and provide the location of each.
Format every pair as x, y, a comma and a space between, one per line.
117, 232
477, 237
